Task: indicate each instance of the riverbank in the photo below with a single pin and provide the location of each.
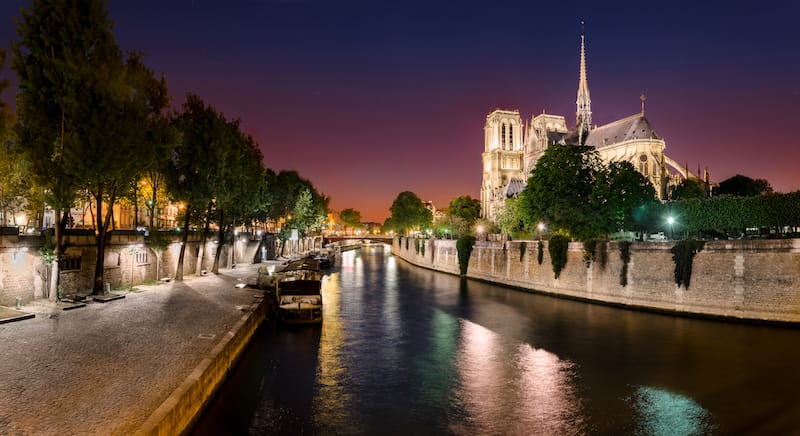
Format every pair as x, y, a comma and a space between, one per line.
144, 363
756, 281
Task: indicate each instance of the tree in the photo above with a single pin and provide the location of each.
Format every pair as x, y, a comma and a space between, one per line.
743, 186
451, 226
465, 207
350, 218
622, 194
189, 176
689, 188
508, 218
82, 107
559, 191
12, 168
409, 212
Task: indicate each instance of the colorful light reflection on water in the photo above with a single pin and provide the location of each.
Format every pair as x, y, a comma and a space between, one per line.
409, 351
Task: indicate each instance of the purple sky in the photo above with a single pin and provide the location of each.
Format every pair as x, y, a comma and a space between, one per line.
372, 98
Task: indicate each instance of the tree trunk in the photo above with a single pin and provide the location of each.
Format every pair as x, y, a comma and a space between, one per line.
220, 241
100, 242
201, 257
179, 269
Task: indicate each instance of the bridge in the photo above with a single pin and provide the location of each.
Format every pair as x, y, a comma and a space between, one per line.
386, 239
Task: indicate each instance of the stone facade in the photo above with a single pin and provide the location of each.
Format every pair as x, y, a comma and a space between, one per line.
128, 260
749, 280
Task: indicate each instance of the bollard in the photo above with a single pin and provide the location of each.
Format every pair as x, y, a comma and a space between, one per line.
19, 303
108, 288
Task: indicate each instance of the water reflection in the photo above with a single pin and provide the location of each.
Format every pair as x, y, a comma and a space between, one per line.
409, 351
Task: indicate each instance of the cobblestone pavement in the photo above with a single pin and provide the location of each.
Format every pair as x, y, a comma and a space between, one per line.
104, 368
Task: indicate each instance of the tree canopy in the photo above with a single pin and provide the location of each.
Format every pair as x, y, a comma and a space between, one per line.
465, 207
688, 188
743, 186
409, 212
350, 218
573, 193
559, 191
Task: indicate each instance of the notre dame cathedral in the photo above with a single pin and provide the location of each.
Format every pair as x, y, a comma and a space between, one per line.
511, 150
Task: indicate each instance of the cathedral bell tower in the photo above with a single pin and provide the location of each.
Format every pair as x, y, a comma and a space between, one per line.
583, 113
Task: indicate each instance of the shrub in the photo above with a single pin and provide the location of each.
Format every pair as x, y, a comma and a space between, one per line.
464, 246
588, 251
683, 255
540, 254
558, 253
625, 255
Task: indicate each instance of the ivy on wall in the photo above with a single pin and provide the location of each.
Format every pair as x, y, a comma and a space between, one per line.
588, 251
464, 246
416, 245
558, 253
522, 247
625, 256
540, 254
683, 255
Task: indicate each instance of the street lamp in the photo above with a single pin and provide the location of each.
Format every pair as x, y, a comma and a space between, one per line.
670, 221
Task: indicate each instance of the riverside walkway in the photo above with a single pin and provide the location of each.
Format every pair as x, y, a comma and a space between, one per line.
105, 368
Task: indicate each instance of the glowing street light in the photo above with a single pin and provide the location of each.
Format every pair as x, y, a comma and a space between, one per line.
670, 221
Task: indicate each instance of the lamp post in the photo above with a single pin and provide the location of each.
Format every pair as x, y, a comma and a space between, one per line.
541, 230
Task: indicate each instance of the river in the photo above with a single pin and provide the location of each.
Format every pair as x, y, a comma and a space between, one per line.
408, 351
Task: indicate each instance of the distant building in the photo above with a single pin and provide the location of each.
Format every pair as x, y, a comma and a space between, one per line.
512, 149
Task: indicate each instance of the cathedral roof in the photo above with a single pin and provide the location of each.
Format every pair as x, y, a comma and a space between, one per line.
514, 187
633, 127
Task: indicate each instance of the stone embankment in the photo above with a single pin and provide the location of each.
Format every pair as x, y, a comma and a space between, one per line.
144, 364
757, 280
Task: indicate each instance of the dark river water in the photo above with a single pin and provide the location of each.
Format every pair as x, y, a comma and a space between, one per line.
407, 351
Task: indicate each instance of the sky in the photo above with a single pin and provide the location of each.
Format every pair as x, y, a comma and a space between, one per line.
368, 99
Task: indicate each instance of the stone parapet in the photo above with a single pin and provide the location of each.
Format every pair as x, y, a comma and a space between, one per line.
756, 280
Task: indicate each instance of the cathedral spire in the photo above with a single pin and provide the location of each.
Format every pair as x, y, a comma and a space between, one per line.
583, 114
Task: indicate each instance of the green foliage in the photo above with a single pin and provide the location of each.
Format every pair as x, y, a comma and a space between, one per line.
466, 208
743, 186
47, 250
731, 215
422, 247
522, 247
625, 256
409, 212
416, 245
601, 253
588, 251
451, 227
464, 246
350, 218
557, 247
620, 195
540, 252
559, 191
689, 188
508, 218
683, 255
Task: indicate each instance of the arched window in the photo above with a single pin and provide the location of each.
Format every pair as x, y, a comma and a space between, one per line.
503, 136
511, 137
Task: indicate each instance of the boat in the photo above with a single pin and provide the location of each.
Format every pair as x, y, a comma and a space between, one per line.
298, 291
326, 258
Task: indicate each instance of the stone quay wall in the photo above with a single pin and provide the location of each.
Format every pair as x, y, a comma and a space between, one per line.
129, 260
755, 280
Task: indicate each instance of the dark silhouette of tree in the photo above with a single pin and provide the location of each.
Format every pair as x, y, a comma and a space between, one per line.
743, 186
689, 188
